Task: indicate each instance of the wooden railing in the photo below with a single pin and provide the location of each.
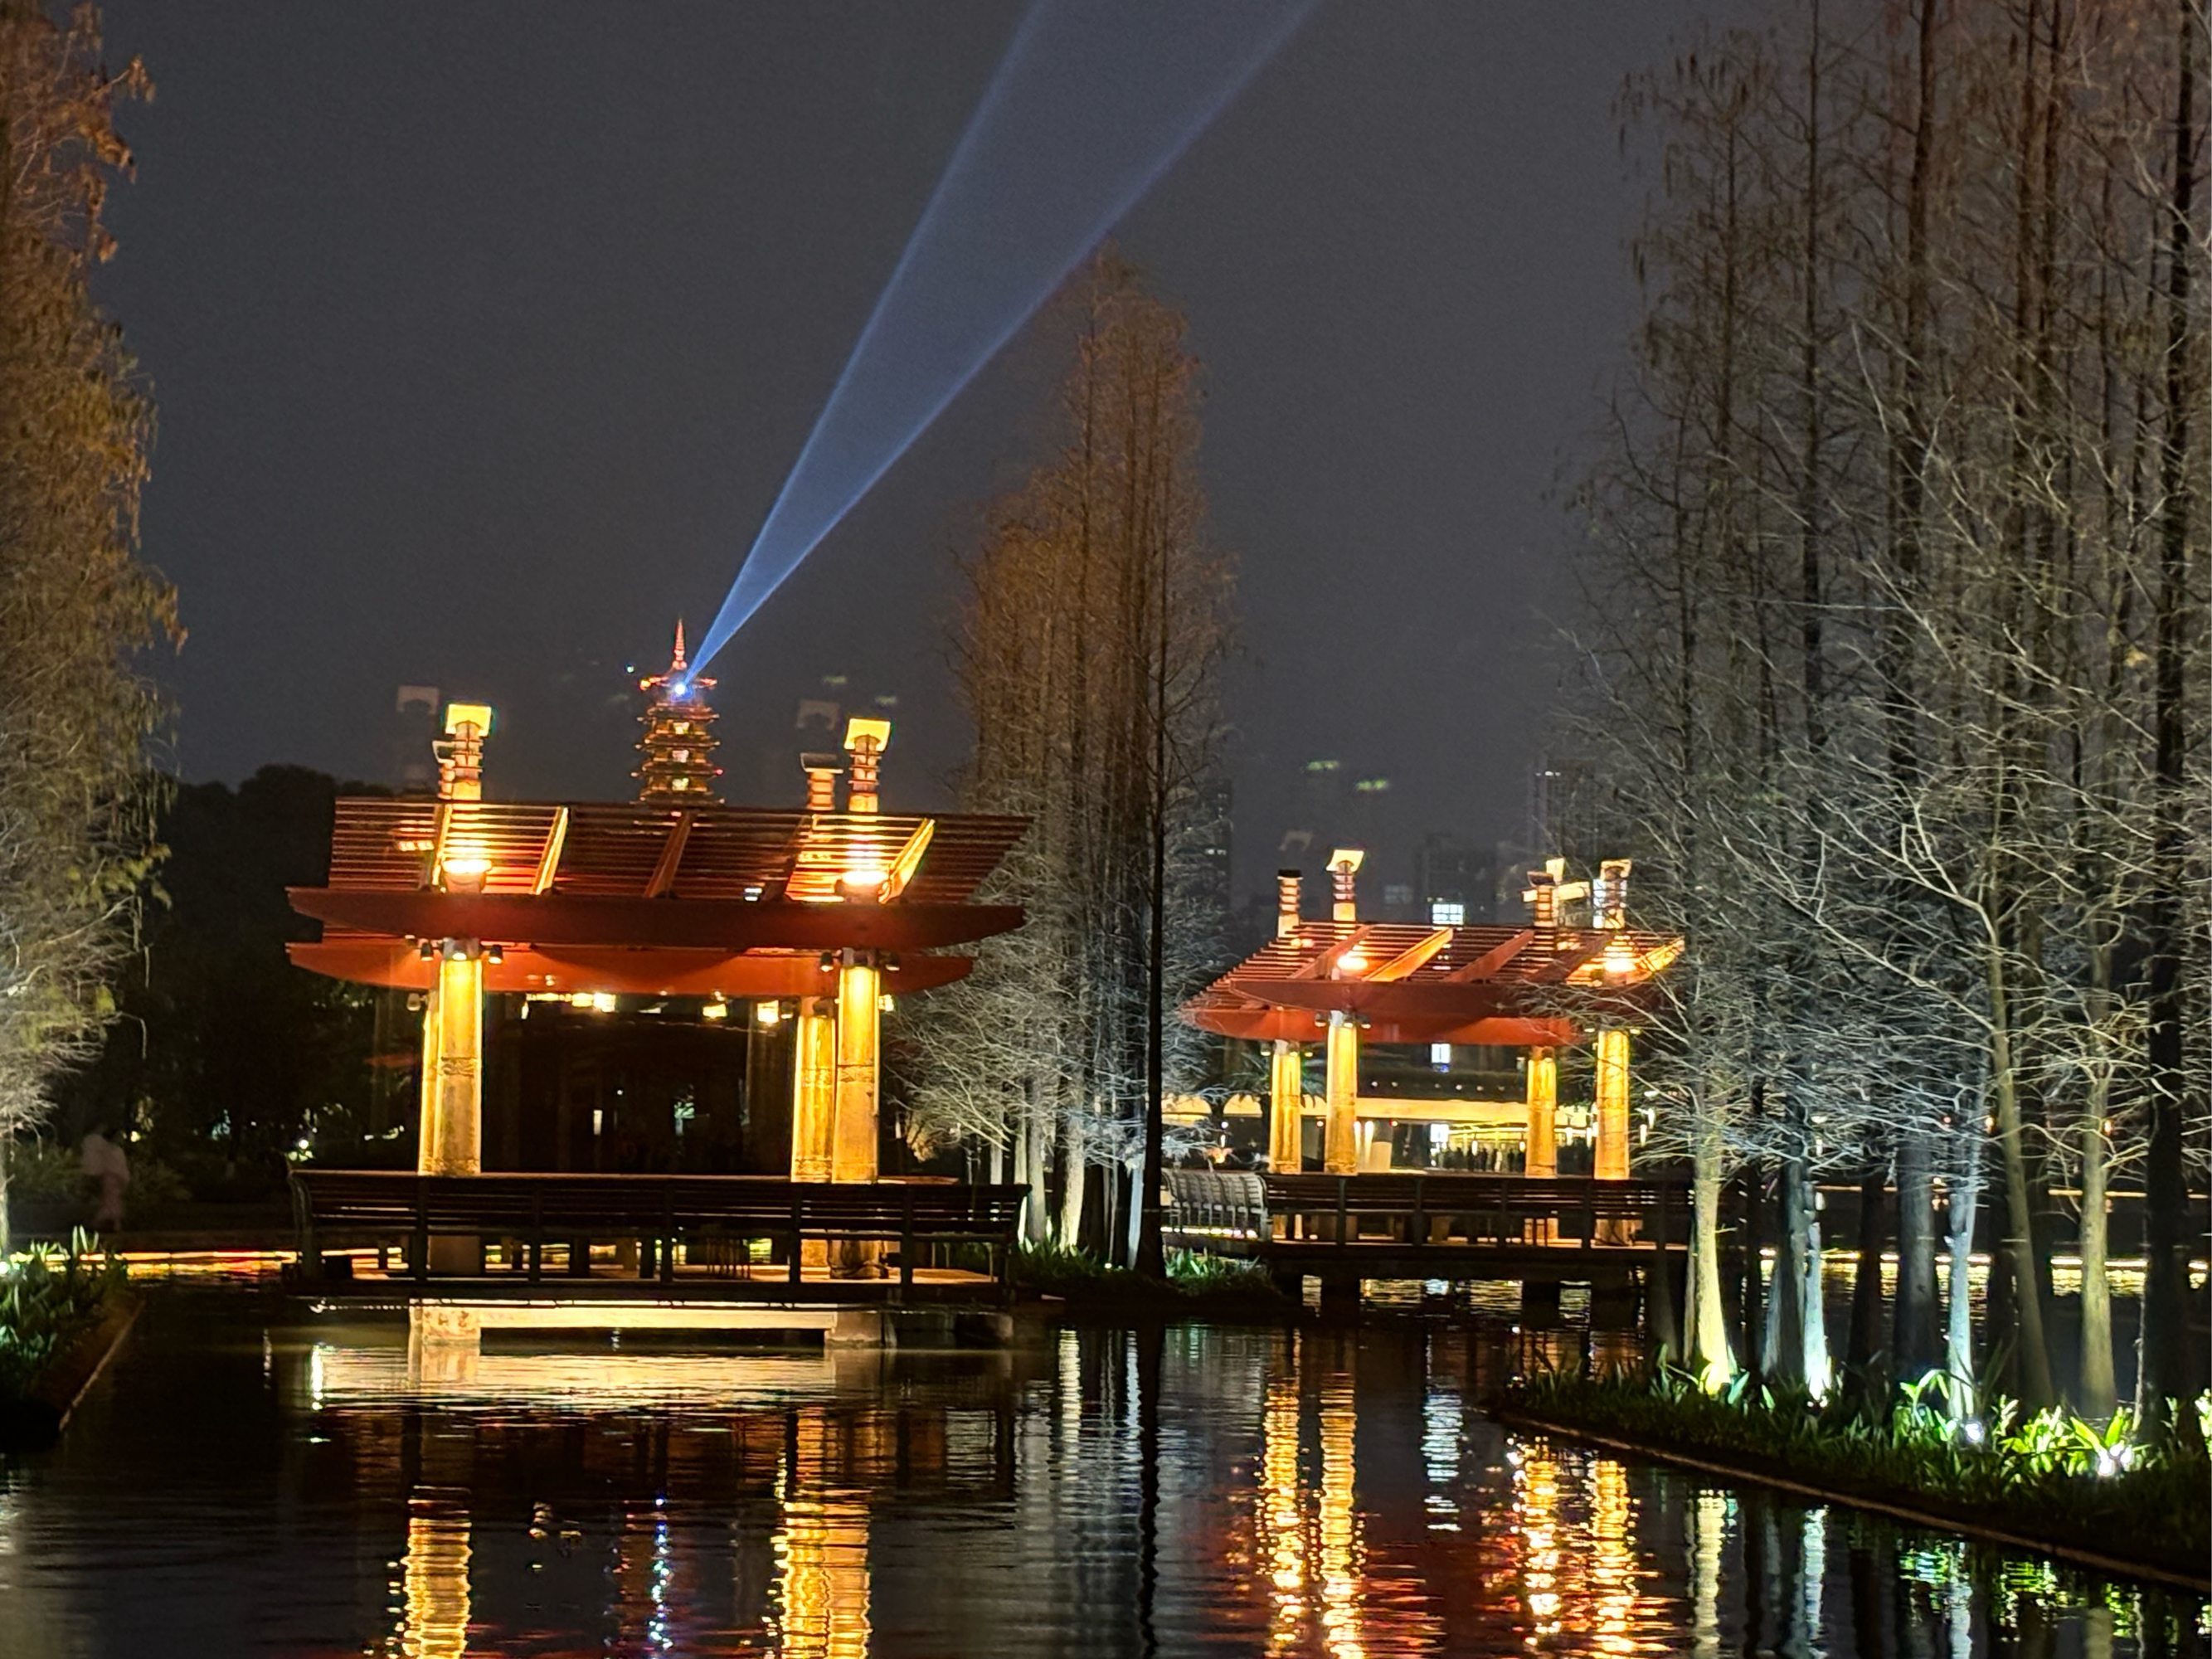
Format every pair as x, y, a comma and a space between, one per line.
917, 1217
1244, 1215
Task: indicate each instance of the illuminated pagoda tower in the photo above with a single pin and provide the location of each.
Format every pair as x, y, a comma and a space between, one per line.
679, 739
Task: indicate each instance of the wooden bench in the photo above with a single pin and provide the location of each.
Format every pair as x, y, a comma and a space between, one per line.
656, 1210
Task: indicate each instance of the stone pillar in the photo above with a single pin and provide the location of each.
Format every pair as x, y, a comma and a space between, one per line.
1543, 1141
451, 1137
813, 1089
860, 1021
1287, 1101
1340, 1143
425, 1126
1612, 1105
453, 1125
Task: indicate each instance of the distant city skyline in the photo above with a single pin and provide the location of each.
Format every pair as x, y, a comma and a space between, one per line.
481, 380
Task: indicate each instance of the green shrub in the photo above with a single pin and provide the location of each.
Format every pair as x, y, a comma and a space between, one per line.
52, 1297
45, 1172
2049, 1475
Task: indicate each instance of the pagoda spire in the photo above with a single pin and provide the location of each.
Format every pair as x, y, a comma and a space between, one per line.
678, 742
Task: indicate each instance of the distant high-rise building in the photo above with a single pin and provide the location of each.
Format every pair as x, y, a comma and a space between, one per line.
414, 769
1214, 805
1544, 780
1454, 883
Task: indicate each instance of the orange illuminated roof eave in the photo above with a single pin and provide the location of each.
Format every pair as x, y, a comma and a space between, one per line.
727, 926
396, 963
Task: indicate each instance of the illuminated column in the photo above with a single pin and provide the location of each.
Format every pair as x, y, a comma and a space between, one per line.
865, 741
1286, 1068
860, 1019
1543, 1160
1613, 1104
813, 1089
1343, 865
1340, 1136
426, 1137
1286, 1098
1341, 1140
452, 1131
1609, 910
454, 1089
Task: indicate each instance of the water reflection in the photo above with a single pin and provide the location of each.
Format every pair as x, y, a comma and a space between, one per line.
326, 1489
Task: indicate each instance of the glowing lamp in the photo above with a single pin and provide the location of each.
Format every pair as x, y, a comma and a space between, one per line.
717, 1009
864, 882
464, 872
766, 1013
1352, 961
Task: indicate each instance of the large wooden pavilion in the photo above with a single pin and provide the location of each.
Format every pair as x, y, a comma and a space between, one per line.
805, 918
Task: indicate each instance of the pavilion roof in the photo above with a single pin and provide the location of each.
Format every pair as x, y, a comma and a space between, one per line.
646, 896
1408, 983
632, 850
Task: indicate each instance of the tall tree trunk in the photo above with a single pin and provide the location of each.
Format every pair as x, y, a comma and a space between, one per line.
1148, 1257
1787, 1315
2166, 1368
2033, 1352
1037, 1214
1708, 1341
1074, 1181
1913, 1339
1864, 1356
2100, 1389
1751, 1299
1966, 1189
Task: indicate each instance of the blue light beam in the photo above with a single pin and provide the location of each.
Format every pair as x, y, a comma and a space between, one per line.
1090, 107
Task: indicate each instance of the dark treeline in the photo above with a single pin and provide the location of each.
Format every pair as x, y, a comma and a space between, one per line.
1895, 666
224, 1056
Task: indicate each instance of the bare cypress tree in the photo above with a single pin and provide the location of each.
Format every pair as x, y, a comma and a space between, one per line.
1895, 649
1095, 623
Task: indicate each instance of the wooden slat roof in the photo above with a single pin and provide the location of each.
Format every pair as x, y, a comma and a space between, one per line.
612, 849
1506, 955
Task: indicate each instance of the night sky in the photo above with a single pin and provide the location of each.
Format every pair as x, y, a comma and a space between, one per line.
483, 335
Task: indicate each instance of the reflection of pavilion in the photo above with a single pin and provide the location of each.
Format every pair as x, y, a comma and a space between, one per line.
742, 1521
1346, 983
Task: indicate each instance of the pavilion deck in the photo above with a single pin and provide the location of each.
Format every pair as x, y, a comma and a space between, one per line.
666, 1237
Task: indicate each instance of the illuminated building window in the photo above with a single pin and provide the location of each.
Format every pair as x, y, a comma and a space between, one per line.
1440, 1055
1443, 913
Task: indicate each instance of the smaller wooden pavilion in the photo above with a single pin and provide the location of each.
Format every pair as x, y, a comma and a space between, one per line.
1542, 988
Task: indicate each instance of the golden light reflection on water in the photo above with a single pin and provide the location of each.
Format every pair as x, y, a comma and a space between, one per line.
1612, 1559
1708, 1518
1338, 1557
1537, 1502
1323, 1494
1281, 1513
821, 1554
434, 1622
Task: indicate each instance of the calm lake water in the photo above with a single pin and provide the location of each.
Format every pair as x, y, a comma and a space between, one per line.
250, 1481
